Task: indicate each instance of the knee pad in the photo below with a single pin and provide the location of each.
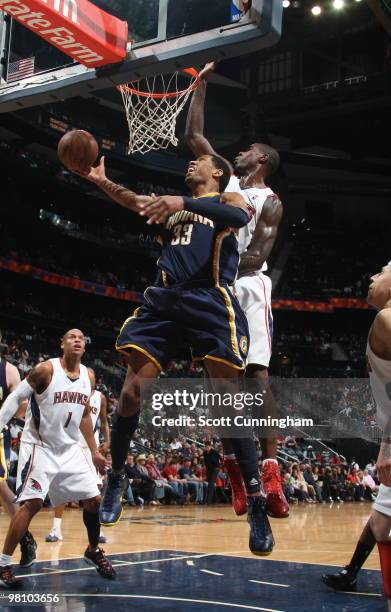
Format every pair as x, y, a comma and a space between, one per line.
385, 563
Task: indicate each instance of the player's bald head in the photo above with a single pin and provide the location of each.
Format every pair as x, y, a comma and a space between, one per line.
379, 292
73, 343
73, 332
273, 157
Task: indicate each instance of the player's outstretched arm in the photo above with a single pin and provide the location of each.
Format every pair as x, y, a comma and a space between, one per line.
264, 237
122, 196
195, 123
38, 380
234, 215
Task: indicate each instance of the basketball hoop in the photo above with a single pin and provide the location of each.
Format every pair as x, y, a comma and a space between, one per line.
152, 105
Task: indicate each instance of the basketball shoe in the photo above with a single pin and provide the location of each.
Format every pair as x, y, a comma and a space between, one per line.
239, 497
28, 548
7, 577
261, 537
110, 510
276, 503
345, 580
54, 536
100, 562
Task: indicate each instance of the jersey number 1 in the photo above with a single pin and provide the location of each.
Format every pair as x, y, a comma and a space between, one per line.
68, 420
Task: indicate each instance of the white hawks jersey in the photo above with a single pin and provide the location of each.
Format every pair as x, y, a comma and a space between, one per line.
380, 379
53, 417
256, 198
95, 403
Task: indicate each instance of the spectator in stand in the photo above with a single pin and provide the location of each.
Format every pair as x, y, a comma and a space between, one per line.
300, 488
128, 491
339, 480
212, 461
355, 488
170, 471
222, 487
142, 484
330, 491
186, 472
175, 444
371, 467
160, 482
198, 467
311, 482
288, 486
370, 487
300, 482
309, 454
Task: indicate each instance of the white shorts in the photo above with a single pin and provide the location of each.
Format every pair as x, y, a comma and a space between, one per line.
88, 456
254, 295
65, 474
383, 500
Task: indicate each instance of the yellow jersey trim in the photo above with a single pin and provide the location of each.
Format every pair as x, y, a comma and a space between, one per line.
207, 195
221, 360
121, 349
134, 316
3, 461
231, 321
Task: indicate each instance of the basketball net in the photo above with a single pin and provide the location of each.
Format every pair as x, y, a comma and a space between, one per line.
152, 106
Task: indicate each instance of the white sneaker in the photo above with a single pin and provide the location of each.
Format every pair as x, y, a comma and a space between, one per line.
54, 536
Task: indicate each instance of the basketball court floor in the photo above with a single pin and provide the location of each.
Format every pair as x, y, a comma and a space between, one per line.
173, 559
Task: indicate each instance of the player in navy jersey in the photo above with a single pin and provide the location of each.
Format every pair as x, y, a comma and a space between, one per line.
192, 304
251, 170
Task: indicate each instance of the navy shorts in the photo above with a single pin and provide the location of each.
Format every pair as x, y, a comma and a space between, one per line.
209, 320
5, 453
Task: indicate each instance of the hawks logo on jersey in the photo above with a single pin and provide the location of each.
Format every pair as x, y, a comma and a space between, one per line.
34, 484
70, 397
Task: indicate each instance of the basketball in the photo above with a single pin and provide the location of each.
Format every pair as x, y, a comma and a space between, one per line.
78, 150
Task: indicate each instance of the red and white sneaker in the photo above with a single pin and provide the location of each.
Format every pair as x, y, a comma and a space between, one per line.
239, 496
276, 503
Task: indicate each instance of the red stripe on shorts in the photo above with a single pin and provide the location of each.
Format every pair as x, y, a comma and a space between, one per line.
29, 472
266, 314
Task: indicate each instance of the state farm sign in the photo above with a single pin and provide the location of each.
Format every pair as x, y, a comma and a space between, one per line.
76, 27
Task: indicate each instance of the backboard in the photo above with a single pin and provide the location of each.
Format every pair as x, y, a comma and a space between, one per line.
164, 36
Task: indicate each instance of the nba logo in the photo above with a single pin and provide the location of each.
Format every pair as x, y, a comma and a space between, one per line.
238, 9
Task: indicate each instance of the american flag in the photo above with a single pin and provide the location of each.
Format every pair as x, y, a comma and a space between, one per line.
21, 69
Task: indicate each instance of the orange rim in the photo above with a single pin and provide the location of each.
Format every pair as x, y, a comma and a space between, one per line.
191, 72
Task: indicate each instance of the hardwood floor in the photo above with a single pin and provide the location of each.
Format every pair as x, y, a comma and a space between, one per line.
312, 534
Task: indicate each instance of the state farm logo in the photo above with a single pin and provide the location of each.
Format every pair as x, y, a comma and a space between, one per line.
45, 24
23, 12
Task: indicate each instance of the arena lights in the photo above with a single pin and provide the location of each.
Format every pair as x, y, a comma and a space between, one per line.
286, 3
338, 4
316, 10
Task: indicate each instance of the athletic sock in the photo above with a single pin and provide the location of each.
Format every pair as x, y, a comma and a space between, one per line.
5, 559
121, 435
57, 525
91, 521
360, 555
